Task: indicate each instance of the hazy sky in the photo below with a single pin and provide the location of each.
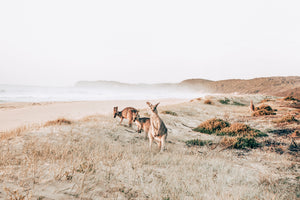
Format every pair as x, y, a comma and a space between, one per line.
59, 42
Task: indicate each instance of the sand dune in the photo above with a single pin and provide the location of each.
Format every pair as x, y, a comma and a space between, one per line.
96, 158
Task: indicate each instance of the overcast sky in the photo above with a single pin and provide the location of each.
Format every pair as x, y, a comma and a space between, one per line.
59, 42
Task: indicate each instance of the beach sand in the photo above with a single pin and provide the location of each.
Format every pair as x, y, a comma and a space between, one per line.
13, 115
95, 157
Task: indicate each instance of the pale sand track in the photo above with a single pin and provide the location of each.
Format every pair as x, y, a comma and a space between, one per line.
13, 115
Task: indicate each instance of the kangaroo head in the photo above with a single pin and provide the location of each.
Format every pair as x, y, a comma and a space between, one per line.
153, 108
115, 111
135, 115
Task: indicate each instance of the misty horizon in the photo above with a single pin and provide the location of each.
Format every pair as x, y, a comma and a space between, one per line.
57, 43
138, 83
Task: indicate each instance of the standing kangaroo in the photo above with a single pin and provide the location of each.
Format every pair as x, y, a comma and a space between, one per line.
143, 124
252, 107
129, 113
158, 130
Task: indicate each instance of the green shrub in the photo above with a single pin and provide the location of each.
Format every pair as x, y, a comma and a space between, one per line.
197, 142
238, 103
224, 101
168, 112
246, 142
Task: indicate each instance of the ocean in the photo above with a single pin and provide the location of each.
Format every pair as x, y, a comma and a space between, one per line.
12, 93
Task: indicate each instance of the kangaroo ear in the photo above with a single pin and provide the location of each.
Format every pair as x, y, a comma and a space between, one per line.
149, 104
156, 105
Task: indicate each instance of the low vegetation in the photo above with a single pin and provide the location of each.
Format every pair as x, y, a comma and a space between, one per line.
263, 110
211, 126
197, 99
238, 135
96, 158
239, 129
168, 112
286, 119
197, 142
265, 100
17, 131
224, 101
246, 142
236, 103
221, 127
239, 142
60, 121
227, 101
208, 101
290, 98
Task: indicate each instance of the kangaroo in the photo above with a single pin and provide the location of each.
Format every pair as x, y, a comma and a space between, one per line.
295, 136
158, 130
252, 107
143, 124
129, 113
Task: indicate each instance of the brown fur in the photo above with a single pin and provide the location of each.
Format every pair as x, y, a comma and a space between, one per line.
295, 136
143, 124
129, 113
158, 130
252, 107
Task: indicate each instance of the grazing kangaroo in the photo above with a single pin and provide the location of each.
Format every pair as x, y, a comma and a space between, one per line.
158, 130
143, 124
129, 113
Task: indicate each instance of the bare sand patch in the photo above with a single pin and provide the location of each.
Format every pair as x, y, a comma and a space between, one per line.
14, 115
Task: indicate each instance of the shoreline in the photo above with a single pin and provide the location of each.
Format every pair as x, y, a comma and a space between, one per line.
16, 114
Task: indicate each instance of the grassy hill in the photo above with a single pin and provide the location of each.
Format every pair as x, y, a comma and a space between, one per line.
277, 86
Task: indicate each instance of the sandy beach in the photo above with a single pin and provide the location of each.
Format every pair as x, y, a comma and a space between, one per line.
13, 115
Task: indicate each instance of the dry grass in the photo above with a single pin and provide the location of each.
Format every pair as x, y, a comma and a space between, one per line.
197, 99
60, 121
241, 135
13, 133
290, 98
17, 195
265, 100
211, 126
168, 112
228, 141
240, 129
95, 158
17, 131
286, 119
263, 110
208, 101
221, 127
295, 134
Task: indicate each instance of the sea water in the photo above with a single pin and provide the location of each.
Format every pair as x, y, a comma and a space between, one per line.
13, 93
